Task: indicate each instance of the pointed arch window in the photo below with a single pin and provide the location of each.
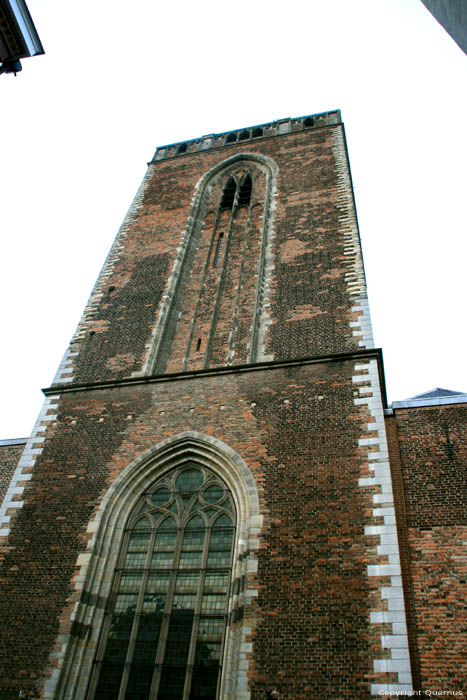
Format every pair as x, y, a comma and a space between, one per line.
228, 193
230, 190
164, 629
244, 194
208, 280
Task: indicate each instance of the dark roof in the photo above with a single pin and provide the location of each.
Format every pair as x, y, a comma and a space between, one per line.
435, 397
435, 394
13, 441
18, 35
452, 15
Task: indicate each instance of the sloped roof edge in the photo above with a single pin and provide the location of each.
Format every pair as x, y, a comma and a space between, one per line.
434, 397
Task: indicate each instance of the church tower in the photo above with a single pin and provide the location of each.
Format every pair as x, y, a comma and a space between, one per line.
204, 510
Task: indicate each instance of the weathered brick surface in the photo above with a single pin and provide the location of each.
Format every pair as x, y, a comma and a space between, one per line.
432, 445
314, 594
116, 339
310, 305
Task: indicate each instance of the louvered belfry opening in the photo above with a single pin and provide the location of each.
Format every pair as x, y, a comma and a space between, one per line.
164, 629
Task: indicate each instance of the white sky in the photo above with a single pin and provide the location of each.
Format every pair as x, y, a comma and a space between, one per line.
118, 79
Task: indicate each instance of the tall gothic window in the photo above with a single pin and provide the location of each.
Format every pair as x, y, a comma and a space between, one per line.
164, 629
218, 286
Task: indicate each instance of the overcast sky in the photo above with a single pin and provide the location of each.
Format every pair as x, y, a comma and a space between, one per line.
119, 78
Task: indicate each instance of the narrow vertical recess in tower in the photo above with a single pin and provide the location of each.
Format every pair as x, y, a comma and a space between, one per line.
213, 308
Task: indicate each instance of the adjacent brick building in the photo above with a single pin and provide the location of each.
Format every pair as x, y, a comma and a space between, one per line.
206, 508
10, 453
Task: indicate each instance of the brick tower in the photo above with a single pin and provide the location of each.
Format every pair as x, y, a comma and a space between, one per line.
204, 510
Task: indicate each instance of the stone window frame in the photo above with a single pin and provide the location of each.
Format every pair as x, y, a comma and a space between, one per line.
70, 680
154, 521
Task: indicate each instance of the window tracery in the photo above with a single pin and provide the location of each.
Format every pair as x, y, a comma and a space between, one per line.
244, 189
244, 194
228, 193
164, 628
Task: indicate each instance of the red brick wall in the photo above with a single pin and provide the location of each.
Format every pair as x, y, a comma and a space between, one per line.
433, 462
9, 458
310, 304
298, 430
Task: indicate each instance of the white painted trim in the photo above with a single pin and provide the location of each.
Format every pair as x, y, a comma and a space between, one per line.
386, 562
348, 226
27, 461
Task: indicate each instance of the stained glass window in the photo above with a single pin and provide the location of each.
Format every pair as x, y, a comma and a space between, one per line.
164, 629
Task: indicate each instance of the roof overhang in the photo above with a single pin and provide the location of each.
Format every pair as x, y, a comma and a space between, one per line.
18, 35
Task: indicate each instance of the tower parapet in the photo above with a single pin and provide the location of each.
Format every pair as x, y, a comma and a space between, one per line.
248, 134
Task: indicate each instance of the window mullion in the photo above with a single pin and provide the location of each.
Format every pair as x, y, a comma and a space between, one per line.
220, 287
226, 610
111, 601
188, 639
166, 617
194, 631
100, 654
134, 629
108, 618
